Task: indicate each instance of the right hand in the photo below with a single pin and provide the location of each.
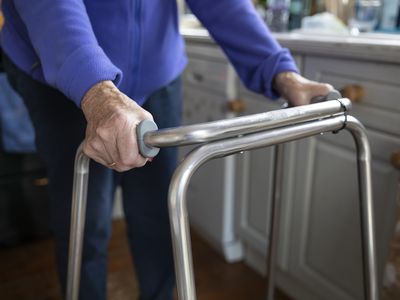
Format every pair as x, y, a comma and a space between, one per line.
298, 90
112, 118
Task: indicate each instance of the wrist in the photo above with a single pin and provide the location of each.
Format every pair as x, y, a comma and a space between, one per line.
98, 96
94, 91
285, 81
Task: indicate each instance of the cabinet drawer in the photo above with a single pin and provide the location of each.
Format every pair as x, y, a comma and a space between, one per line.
207, 74
379, 108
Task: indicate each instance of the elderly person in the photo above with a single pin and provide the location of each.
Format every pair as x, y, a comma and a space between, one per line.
91, 70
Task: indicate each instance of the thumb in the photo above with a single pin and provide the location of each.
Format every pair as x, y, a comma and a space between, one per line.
316, 89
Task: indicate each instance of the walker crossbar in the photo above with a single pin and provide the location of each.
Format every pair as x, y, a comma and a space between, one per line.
271, 129
217, 130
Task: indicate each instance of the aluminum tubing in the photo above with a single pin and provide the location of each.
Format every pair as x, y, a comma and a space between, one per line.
371, 289
177, 193
211, 131
78, 215
273, 216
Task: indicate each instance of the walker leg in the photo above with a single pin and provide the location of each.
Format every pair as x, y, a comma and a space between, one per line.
274, 220
371, 291
78, 214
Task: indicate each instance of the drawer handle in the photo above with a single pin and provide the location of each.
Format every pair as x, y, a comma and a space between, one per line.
237, 105
395, 160
354, 92
41, 181
197, 77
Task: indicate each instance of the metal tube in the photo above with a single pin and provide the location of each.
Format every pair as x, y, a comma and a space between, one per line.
78, 214
222, 129
180, 180
177, 202
274, 215
274, 220
82, 165
370, 273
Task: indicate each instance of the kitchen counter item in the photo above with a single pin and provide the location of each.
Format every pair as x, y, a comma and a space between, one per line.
342, 9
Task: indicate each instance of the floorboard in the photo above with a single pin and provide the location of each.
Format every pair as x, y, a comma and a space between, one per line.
28, 273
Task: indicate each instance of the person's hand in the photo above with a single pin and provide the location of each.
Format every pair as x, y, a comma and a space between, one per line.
298, 90
112, 118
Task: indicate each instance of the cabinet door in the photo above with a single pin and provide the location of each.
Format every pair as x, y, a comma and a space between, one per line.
321, 195
205, 191
325, 246
379, 107
254, 184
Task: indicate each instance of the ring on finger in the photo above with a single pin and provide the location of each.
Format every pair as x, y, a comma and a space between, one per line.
112, 164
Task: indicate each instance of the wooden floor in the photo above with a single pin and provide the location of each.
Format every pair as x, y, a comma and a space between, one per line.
28, 273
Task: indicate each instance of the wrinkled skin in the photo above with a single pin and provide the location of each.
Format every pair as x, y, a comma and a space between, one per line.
112, 118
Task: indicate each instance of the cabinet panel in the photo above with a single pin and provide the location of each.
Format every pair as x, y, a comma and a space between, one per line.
380, 80
205, 191
207, 74
380, 106
319, 255
325, 252
210, 200
254, 183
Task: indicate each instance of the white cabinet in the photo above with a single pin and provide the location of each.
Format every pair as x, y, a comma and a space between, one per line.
208, 83
254, 183
319, 242
325, 245
324, 232
319, 250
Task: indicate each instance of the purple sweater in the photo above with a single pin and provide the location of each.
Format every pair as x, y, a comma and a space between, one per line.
73, 44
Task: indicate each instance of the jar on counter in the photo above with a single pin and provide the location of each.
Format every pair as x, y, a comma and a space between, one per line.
365, 17
277, 15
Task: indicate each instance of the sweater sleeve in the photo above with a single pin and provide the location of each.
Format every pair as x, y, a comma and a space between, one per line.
62, 36
244, 37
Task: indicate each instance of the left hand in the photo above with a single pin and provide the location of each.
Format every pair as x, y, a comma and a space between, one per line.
298, 90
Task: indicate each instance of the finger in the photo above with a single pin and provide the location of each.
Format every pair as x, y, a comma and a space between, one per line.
107, 147
100, 153
113, 159
94, 154
320, 89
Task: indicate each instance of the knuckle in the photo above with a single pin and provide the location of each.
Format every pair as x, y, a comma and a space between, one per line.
102, 132
119, 115
140, 162
128, 159
121, 169
127, 162
95, 145
134, 161
87, 149
329, 86
148, 115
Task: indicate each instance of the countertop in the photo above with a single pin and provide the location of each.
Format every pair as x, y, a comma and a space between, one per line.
368, 46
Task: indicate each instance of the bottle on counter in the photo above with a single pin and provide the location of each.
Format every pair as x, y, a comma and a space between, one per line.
390, 15
277, 15
296, 14
366, 14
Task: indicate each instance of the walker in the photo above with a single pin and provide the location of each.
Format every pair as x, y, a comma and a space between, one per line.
226, 137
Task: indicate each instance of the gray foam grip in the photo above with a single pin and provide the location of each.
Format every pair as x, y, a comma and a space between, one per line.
144, 127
